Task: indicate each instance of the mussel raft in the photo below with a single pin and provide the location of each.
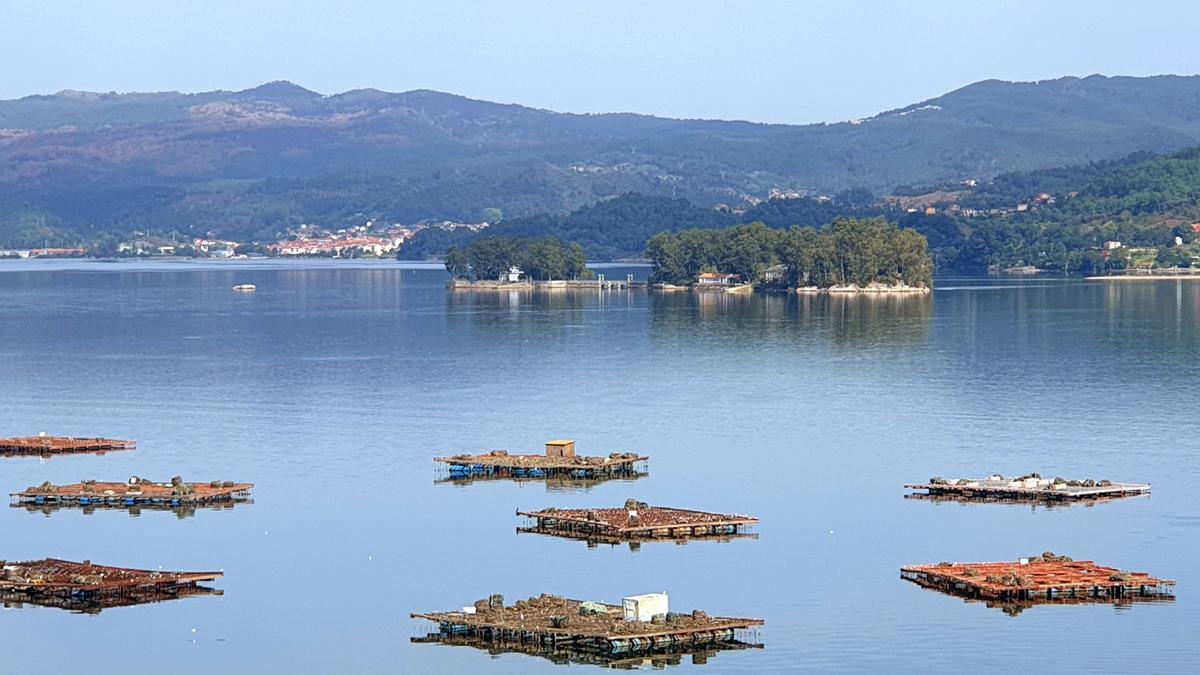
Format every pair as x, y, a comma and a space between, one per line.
135, 492
501, 464
1030, 487
554, 621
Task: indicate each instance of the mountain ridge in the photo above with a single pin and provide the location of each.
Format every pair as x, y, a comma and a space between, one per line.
253, 162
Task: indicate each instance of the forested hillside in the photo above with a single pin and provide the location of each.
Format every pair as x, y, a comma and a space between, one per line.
250, 164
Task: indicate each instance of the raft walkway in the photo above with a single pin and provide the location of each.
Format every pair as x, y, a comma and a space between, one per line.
42, 446
83, 586
1025, 488
134, 492
554, 622
637, 521
1042, 579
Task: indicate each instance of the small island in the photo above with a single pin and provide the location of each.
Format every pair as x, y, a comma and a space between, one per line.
849, 256
513, 263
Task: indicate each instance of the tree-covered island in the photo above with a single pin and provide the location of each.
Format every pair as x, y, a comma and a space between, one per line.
849, 254
495, 258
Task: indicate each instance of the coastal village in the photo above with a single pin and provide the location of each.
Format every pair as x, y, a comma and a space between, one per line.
370, 240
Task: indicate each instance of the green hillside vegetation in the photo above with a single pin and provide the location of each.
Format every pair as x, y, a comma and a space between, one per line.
848, 251
248, 165
610, 229
1141, 202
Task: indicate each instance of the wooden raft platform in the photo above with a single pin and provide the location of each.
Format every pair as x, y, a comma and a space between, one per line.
1042, 579
135, 492
42, 446
82, 586
555, 622
1025, 488
502, 464
636, 521
554, 483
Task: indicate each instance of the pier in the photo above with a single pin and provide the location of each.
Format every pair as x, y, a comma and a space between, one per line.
599, 283
42, 446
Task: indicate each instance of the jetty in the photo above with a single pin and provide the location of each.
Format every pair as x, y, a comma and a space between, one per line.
43, 446
1044, 579
85, 587
641, 624
1030, 487
559, 460
135, 492
636, 521
599, 283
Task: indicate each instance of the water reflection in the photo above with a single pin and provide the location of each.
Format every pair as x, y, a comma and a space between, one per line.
1016, 607
846, 319
88, 604
696, 655
634, 543
135, 511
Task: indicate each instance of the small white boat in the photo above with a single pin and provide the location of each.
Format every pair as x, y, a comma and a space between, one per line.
245, 288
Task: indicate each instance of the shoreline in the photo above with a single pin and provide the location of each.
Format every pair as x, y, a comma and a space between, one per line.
739, 289
1142, 277
869, 289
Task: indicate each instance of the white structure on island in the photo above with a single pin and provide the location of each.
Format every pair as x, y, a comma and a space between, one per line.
514, 274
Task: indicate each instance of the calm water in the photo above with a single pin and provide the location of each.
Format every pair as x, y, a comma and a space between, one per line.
333, 386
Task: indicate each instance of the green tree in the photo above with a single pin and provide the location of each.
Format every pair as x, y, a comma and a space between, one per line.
457, 262
491, 257
577, 263
545, 259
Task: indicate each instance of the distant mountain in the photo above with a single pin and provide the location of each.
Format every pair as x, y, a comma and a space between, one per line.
250, 163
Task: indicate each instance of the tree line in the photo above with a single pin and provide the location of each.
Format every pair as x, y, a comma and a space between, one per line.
545, 259
849, 251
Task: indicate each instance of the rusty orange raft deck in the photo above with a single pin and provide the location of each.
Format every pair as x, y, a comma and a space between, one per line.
83, 586
555, 622
41, 446
636, 521
1041, 581
135, 492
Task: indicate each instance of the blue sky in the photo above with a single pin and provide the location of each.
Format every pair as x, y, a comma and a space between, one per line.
793, 62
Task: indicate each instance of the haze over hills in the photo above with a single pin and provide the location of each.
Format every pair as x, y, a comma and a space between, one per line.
249, 164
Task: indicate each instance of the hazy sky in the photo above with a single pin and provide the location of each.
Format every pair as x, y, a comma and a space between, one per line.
764, 61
